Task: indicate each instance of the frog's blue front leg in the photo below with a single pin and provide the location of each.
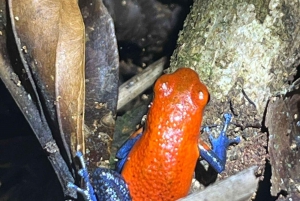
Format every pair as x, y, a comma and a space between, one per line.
124, 151
108, 184
216, 157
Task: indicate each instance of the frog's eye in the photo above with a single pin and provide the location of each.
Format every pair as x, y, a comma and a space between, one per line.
201, 95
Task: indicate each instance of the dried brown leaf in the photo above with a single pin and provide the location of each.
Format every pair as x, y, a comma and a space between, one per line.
69, 74
102, 71
19, 81
50, 38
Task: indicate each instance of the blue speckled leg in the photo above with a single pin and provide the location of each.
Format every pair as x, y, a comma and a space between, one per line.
108, 184
88, 193
217, 156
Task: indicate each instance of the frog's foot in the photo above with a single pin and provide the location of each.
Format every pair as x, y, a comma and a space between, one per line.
88, 193
221, 143
217, 156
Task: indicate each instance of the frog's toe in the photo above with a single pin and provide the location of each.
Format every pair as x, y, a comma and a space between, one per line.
235, 140
78, 189
88, 193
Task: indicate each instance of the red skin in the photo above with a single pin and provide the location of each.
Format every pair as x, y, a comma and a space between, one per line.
161, 164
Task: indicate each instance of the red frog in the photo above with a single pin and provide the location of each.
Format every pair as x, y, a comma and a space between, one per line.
159, 163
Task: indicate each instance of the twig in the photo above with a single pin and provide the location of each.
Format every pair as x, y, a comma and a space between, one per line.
238, 187
139, 83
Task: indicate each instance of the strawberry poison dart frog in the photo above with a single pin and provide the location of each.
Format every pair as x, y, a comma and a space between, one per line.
159, 163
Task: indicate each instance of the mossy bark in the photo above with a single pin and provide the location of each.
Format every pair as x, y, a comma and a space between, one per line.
234, 44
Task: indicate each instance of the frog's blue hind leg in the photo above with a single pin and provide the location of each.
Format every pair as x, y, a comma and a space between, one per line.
216, 156
108, 184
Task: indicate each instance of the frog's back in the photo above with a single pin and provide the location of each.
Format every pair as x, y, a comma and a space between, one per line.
160, 166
